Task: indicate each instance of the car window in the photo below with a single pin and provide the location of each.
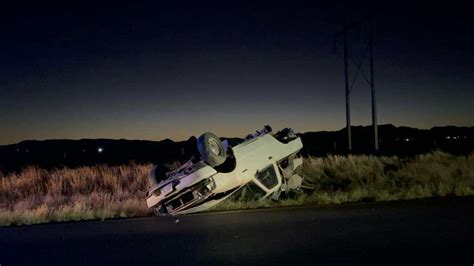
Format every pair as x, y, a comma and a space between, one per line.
267, 177
250, 192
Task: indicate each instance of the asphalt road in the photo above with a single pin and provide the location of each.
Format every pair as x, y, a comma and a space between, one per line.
426, 232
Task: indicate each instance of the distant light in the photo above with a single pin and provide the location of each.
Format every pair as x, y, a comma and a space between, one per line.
100, 150
407, 140
448, 137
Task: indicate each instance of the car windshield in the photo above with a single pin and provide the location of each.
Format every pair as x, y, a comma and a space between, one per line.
267, 177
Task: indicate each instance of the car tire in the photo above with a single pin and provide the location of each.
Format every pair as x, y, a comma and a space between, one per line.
212, 149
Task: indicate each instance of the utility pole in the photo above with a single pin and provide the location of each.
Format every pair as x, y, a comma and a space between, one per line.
348, 95
368, 23
372, 89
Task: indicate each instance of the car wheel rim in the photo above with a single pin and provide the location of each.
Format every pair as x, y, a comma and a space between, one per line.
214, 146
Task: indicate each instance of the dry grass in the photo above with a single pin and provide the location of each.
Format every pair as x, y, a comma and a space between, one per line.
99, 192
37, 196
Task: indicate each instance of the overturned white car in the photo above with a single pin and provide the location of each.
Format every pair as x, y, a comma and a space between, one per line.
262, 165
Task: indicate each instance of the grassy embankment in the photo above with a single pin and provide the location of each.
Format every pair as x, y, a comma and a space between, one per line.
38, 196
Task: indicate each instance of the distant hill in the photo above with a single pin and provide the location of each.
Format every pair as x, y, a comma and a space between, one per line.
402, 141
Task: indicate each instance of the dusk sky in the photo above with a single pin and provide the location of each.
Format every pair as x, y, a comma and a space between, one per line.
150, 72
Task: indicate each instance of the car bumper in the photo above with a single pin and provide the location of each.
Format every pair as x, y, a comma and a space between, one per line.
188, 198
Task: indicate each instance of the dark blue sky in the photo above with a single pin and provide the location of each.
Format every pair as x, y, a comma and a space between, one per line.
142, 71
